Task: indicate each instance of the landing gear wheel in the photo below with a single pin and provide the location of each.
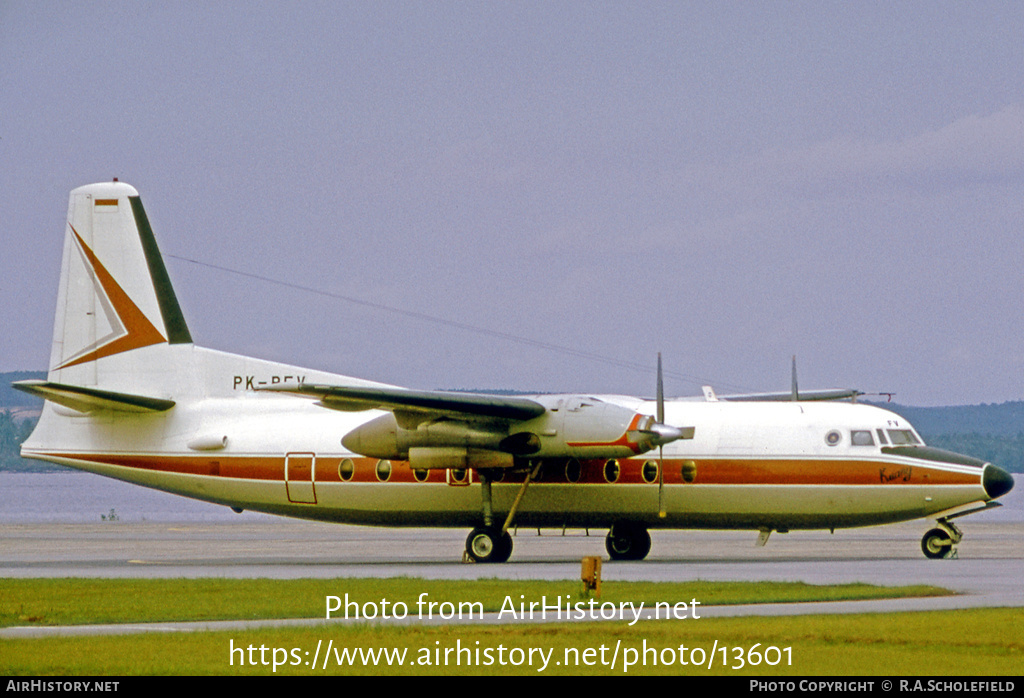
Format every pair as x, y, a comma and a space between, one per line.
628, 542
489, 545
936, 544
506, 548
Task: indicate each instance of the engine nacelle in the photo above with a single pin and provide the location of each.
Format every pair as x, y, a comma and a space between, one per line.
457, 458
571, 426
384, 437
586, 427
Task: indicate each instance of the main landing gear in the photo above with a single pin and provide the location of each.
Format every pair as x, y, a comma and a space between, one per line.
490, 543
626, 541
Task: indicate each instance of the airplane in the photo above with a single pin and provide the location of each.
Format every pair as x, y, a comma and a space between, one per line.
129, 395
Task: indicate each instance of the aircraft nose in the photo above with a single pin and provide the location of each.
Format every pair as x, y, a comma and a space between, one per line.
996, 481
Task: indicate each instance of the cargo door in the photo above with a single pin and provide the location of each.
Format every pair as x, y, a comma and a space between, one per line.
299, 477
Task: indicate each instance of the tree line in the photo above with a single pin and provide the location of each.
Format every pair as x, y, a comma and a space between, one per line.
12, 433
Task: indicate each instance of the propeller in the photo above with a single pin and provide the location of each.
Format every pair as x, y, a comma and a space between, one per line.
794, 392
661, 444
657, 433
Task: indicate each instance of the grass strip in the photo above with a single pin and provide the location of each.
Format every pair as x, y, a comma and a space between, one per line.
977, 642
73, 601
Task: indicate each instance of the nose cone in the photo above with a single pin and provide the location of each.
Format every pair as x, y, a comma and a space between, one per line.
996, 481
664, 434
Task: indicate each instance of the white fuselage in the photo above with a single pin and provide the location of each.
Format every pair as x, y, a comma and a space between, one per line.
749, 465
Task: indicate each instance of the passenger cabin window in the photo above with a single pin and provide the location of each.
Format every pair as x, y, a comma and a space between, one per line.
650, 471
346, 469
903, 437
611, 471
861, 438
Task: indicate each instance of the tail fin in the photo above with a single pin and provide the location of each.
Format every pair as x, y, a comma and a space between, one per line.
115, 295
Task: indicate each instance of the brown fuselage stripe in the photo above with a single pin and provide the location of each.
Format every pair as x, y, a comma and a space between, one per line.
707, 471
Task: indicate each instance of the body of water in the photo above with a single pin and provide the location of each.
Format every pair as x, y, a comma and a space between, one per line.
77, 497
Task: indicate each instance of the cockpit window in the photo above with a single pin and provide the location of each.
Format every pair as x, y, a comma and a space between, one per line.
903, 437
861, 438
881, 437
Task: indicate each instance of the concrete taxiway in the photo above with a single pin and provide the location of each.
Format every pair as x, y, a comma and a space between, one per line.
990, 560
986, 571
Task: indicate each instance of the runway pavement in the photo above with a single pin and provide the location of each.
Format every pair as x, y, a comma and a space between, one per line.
216, 543
987, 571
990, 560
285, 548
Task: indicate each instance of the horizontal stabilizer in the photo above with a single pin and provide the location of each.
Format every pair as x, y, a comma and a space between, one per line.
380, 398
90, 399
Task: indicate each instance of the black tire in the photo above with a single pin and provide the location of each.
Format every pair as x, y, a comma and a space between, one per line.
488, 545
627, 542
936, 544
505, 552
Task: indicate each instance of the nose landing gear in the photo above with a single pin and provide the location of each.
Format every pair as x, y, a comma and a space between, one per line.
938, 542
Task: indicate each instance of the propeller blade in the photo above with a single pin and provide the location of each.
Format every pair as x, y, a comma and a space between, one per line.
661, 394
659, 432
661, 448
661, 482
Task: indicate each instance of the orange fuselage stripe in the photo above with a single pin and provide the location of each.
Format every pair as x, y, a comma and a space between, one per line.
708, 471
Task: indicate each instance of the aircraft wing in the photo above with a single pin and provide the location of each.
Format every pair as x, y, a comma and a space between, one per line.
802, 396
436, 402
794, 394
442, 429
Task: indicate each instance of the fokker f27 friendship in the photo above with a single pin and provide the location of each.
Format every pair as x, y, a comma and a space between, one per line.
129, 396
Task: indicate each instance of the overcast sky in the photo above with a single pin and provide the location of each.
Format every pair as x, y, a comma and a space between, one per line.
571, 187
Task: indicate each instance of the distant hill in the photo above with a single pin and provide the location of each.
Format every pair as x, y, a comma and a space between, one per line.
18, 415
1004, 419
9, 397
991, 432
